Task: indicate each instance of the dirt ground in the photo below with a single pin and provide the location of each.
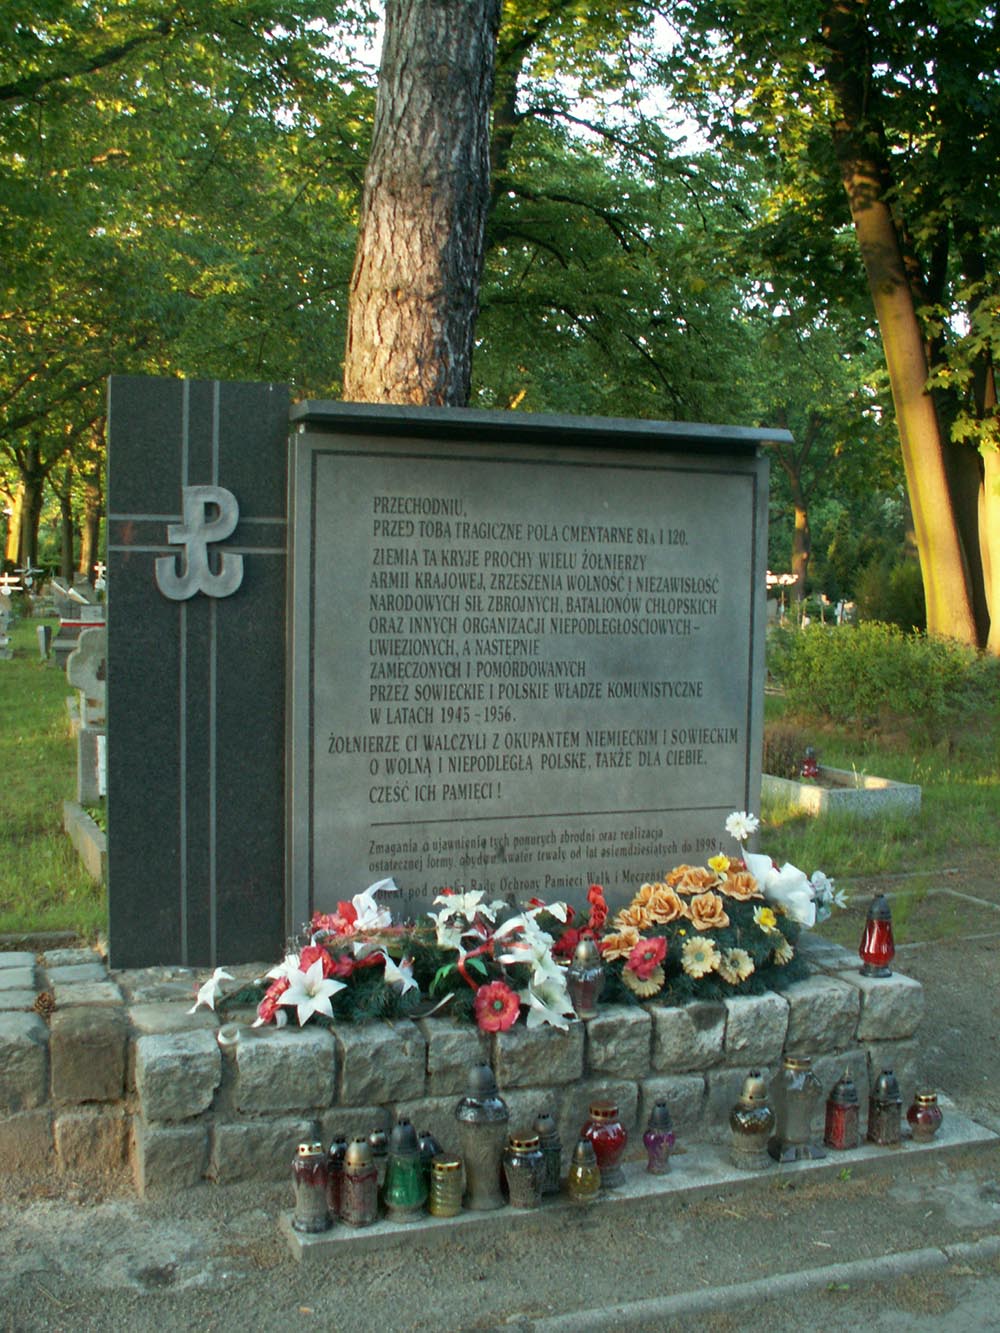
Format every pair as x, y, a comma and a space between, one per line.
74, 1257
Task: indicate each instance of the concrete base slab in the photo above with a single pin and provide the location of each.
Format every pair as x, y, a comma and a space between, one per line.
700, 1169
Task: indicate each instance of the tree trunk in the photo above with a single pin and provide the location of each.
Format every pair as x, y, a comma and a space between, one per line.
67, 534
12, 543
31, 513
864, 173
414, 289
90, 528
801, 543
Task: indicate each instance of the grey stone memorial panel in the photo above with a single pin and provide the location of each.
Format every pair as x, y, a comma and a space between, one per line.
527, 653
196, 678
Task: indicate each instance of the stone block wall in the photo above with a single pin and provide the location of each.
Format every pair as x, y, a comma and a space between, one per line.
121, 1071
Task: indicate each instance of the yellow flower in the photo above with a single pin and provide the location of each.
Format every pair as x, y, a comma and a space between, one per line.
720, 864
783, 953
765, 918
644, 989
741, 962
699, 956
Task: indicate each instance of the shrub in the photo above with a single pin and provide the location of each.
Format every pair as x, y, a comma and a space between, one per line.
874, 674
784, 748
893, 593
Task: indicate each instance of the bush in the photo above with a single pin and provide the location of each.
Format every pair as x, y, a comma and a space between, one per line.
892, 593
784, 749
874, 674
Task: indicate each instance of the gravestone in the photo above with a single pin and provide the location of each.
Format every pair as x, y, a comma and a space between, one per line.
524, 653
86, 671
527, 654
196, 677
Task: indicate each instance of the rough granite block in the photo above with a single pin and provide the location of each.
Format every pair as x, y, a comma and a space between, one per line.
685, 1098
285, 1069
826, 954
688, 1037
534, 1057
575, 1109
352, 1122
12, 1000
257, 1150
176, 1074
90, 1142
72, 993
69, 957
168, 1157
619, 1041
17, 978
18, 958
26, 1141
87, 1049
380, 1062
755, 1029
452, 1049
76, 972
156, 1017
891, 1007
24, 1061
822, 1016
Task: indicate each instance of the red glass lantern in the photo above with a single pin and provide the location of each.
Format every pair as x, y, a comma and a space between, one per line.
877, 948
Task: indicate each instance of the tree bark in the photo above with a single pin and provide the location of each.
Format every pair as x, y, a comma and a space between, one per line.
414, 289
864, 172
90, 528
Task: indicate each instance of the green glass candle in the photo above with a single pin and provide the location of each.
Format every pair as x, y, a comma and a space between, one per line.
405, 1191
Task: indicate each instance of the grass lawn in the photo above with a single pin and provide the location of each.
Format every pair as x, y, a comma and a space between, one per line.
44, 887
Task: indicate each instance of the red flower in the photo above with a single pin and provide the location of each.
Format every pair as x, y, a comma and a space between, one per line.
310, 954
268, 1006
598, 908
340, 922
565, 946
647, 956
497, 1006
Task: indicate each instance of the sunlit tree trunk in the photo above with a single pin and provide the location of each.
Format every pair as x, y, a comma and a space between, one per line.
414, 289
864, 173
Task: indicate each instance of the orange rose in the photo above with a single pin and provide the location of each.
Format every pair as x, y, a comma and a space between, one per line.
620, 945
633, 916
665, 906
741, 886
695, 879
708, 912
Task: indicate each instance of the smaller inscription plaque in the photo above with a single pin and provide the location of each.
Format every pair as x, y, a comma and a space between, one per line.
524, 658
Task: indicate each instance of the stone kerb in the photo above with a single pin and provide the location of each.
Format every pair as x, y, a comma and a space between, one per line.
122, 1065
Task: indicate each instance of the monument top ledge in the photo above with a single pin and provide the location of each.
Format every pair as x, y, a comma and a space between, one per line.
514, 427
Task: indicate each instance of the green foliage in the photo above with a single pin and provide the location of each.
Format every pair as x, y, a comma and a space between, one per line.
42, 883
892, 593
876, 675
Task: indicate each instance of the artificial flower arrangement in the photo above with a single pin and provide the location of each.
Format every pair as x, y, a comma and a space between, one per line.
702, 932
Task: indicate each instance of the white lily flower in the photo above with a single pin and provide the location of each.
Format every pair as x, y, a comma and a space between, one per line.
280, 1019
549, 1003
210, 991
310, 992
287, 968
789, 889
370, 915
401, 974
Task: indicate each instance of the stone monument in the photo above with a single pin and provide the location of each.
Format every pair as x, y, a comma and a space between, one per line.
524, 653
